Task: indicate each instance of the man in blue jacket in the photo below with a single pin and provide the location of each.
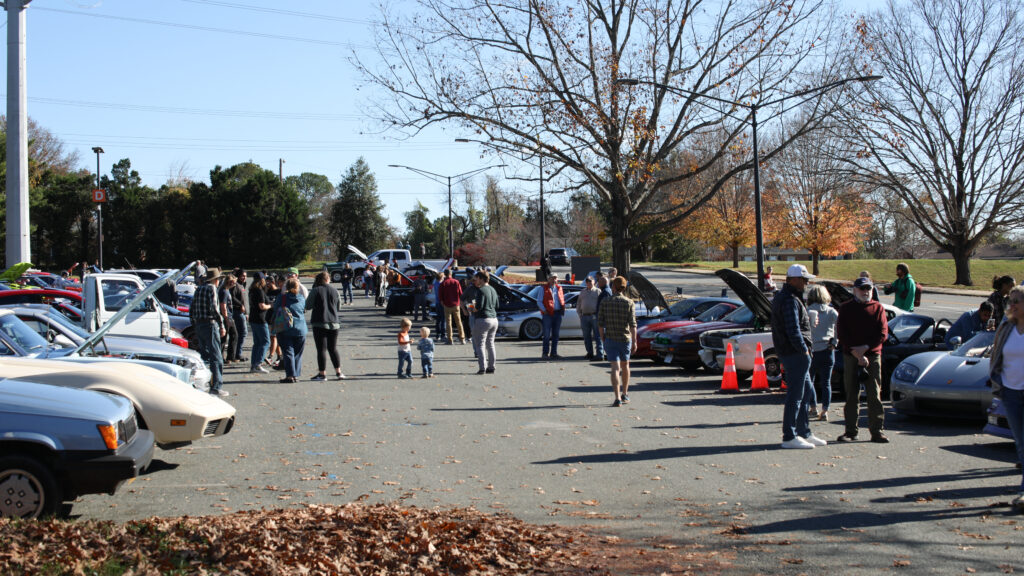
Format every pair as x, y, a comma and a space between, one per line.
970, 323
791, 334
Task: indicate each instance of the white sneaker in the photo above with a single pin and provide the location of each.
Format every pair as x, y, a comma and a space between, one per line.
816, 441
797, 442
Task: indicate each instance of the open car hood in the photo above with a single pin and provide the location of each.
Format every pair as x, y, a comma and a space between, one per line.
839, 293
748, 293
357, 252
171, 277
647, 292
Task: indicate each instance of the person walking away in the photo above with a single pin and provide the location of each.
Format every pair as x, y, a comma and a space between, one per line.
324, 302
552, 309
426, 348
438, 308
904, 287
1002, 286
791, 334
368, 281
259, 305
616, 320
274, 288
419, 299
209, 327
969, 324
485, 322
292, 340
238, 311
405, 349
451, 298
862, 329
224, 296
1006, 376
346, 284
823, 344
586, 307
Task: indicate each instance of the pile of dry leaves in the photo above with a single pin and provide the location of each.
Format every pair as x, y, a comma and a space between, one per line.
352, 539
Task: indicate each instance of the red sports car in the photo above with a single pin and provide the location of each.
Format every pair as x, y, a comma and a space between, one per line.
645, 334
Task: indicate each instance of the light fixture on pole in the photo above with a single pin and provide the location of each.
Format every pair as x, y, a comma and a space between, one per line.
441, 179
808, 93
99, 208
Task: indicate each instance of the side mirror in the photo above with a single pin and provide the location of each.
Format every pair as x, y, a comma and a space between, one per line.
955, 342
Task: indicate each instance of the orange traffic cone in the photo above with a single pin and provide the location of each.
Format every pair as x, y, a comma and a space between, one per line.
760, 382
729, 382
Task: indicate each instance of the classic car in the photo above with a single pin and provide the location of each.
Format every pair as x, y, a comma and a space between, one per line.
682, 345
647, 332
689, 309
950, 384
57, 444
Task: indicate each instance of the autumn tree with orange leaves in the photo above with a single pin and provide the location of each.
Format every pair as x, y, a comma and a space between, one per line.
812, 204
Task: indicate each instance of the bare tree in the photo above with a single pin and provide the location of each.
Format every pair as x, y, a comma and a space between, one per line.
542, 75
943, 130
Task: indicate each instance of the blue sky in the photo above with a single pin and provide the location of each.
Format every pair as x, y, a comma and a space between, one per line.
184, 85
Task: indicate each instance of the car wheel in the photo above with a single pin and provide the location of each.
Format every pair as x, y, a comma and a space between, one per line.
772, 366
691, 366
27, 488
532, 329
335, 276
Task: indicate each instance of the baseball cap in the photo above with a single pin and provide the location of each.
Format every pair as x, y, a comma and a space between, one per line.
259, 276
798, 271
863, 283
293, 270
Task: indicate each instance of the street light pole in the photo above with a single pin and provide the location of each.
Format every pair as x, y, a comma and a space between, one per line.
442, 179
816, 91
540, 162
99, 208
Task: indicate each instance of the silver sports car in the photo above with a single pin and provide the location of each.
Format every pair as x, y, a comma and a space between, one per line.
952, 384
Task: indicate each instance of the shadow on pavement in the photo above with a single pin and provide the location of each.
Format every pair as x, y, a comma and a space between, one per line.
708, 426
959, 476
513, 408
659, 454
724, 400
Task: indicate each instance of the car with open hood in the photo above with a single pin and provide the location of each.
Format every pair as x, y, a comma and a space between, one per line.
647, 332
690, 308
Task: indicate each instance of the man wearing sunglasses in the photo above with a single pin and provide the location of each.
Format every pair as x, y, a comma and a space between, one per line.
862, 329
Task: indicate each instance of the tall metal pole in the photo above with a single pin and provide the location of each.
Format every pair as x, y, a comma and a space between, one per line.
99, 208
540, 161
757, 203
18, 244
280, 169
451, 227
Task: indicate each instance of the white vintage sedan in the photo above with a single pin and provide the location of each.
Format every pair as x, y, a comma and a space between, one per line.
174, 411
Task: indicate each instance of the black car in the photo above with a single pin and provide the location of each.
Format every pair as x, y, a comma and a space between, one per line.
561, 256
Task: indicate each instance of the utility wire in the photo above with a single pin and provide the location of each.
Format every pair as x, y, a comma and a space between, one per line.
283, 12
194, 111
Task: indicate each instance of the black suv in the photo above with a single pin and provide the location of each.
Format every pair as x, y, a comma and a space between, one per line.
561, 256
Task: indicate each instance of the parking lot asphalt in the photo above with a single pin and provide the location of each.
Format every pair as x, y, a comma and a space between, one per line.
681, 465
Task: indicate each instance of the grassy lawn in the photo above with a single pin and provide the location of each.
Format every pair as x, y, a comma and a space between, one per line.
928, 272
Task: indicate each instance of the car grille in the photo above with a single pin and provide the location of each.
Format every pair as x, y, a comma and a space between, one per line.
211, 427
712, 341
957, 407
128, 428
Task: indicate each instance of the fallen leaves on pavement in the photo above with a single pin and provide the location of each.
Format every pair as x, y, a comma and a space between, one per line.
320, 539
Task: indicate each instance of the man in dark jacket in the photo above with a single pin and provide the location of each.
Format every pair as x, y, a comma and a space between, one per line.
862, 328
791, 334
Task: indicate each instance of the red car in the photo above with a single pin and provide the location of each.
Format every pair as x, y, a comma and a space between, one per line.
39, 296
647, 333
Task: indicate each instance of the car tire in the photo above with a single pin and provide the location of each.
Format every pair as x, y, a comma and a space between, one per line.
532, 329
691, 366
336, 276
772, 367
28, 489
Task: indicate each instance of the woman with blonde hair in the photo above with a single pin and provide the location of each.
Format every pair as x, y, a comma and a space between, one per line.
1006, 375
823, 344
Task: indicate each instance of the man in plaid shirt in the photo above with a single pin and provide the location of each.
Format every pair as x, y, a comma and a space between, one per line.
616, 319
209, 327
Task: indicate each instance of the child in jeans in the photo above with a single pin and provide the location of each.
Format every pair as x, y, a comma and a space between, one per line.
426, 347
405, 349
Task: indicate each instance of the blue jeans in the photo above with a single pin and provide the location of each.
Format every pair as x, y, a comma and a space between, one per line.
405, 358
591, 336
208, 334
239, 319
427, 362
260, 344
1013, 403
346, 292
291, 353
552, 326
799, 393
822, 363
440, 332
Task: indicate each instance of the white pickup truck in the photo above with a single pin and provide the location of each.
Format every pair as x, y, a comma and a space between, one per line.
104, 295
395, 257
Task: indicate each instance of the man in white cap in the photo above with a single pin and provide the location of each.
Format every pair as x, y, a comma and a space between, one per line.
791, 334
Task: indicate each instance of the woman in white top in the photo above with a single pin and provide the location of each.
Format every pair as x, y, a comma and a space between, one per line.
823, 345
1006, 373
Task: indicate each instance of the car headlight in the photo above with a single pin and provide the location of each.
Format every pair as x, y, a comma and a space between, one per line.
906, 372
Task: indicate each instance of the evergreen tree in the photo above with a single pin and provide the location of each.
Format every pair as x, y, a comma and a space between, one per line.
357, 217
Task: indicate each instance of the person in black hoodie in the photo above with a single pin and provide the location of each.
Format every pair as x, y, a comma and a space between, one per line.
323, 301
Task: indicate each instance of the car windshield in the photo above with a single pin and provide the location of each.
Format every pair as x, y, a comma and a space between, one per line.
21, 334
904, 326
57, 318
979, 346
741, 315
715, 312
680, 308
